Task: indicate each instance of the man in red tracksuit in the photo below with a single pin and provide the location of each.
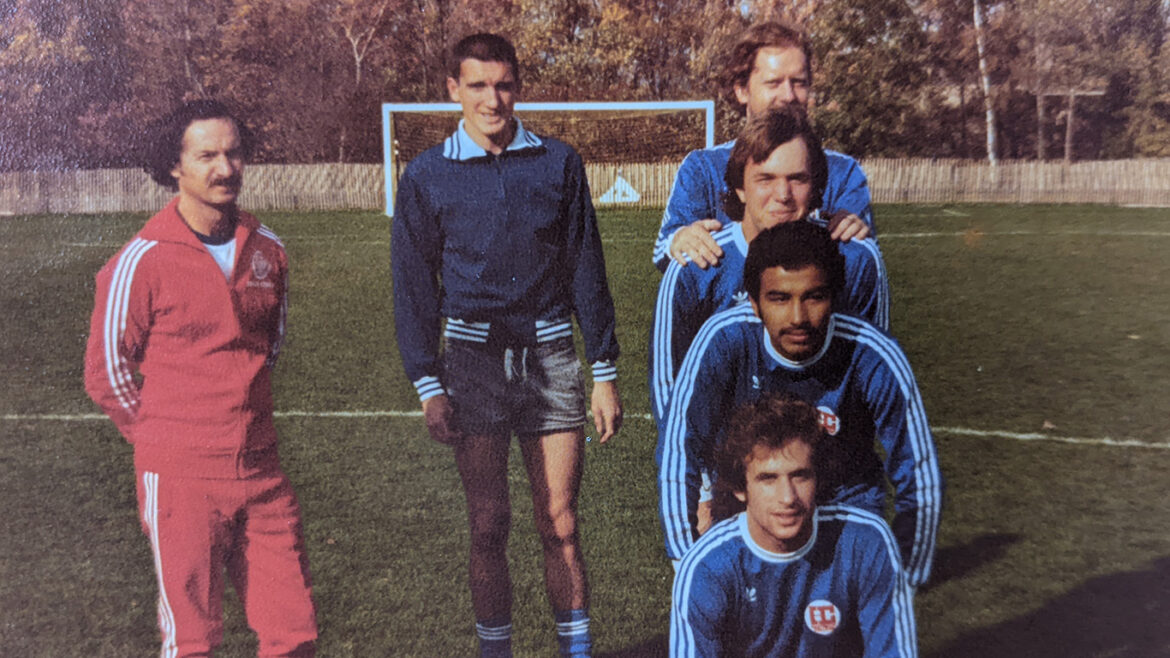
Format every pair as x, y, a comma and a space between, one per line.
187, 323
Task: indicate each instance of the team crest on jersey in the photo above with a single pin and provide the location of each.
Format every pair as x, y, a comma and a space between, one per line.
822, 617
260, 266
751, 594
828, 420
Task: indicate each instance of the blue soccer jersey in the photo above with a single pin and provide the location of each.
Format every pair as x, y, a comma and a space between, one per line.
687, 296
699, 187
843, 594
861, 385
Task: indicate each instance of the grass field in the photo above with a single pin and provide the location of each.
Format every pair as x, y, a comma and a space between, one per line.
1041, 341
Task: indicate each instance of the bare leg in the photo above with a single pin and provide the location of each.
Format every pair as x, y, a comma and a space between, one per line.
554, 463
483, 467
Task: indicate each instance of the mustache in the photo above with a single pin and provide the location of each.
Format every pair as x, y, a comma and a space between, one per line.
803, 326
234, 180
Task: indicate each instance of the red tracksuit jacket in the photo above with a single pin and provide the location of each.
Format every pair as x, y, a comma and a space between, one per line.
202, 346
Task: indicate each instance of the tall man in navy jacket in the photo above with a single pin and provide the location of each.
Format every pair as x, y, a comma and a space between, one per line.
496, 232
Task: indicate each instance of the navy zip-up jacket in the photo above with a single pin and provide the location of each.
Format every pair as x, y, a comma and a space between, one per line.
510, 240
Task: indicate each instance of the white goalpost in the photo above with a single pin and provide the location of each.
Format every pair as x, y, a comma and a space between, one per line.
392, 158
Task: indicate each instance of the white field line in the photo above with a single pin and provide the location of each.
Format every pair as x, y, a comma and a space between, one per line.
955, 431
1036, 436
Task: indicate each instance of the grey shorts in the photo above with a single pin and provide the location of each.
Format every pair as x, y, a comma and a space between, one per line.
529, 390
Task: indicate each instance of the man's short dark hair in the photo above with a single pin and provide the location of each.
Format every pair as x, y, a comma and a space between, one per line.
165, 143
793, 246
486, 48
763, 134
772, 421
741, 59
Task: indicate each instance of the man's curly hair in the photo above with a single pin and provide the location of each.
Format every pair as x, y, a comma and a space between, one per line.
165, 143
771, 422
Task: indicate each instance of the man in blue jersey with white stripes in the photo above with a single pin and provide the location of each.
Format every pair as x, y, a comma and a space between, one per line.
770, 66
791, 340
783, 576
776, 173
495, 231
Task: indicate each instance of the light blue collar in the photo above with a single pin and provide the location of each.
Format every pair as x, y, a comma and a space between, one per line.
778, 360
460, 146
769, 556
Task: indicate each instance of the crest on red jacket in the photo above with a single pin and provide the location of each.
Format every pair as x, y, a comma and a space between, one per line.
260, 266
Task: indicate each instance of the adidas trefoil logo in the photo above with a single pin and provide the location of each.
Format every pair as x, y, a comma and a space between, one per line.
740, 297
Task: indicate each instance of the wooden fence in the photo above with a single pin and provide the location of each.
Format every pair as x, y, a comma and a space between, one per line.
266, 187
339, 186
1115, 182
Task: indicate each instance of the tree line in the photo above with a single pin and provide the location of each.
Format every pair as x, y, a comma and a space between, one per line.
1043, 79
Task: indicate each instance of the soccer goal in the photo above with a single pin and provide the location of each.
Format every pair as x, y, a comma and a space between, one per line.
617, 140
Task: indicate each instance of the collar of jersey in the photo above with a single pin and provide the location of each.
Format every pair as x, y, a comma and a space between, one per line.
779, 361
168, 226
769, 556
460, 146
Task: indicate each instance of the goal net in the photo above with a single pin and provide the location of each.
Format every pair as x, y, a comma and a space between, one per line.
630, 149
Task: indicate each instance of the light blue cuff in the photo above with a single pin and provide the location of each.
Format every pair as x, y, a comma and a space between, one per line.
604, 371
429, 387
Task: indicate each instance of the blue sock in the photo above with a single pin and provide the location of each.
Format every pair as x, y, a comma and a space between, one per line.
573, 633
495, 637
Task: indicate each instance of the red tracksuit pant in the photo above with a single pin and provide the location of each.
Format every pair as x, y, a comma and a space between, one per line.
250, 527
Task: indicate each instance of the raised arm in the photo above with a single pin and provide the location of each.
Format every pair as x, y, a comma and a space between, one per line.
693, 211
847, 191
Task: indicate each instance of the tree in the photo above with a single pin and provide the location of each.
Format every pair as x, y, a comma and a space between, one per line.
870, 81
58, 60
985, 78
1134, 102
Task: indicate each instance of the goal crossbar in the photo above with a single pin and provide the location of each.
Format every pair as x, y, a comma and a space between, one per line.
389, 109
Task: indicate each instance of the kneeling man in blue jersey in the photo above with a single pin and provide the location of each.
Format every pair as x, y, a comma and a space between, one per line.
784, 576
496, 232
769, 67
790, 340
